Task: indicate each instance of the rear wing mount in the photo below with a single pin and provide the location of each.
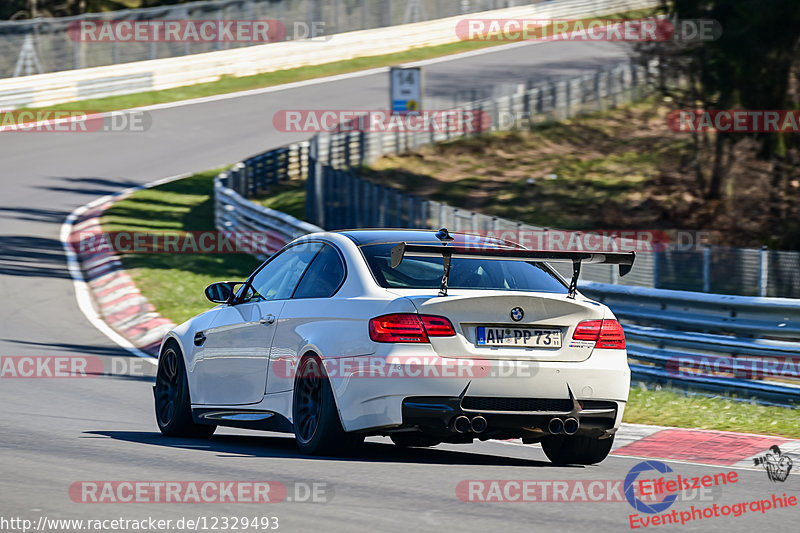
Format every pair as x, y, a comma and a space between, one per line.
447, 252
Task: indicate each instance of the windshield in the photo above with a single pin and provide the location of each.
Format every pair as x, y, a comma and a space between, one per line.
427, 272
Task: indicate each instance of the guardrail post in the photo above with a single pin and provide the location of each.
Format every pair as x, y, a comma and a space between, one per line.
763, 271
560, 110
349, 198
384, 214
366, 196
656, 256
360, 201
337, 197
375, 201
399, 213
706, 269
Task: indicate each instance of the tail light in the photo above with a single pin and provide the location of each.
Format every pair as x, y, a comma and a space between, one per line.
409, 327
607, 334
437, 326
588, 330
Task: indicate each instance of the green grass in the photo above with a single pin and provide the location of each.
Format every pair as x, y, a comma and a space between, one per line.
288, 197
174, 283
662, 407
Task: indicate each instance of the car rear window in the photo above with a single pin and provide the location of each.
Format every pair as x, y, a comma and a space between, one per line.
427, 272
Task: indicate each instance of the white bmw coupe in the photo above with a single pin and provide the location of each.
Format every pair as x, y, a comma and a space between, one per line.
422, 336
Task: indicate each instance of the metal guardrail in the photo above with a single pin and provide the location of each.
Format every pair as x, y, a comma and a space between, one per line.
52, 49
255, 175
737, 315
734, 344
233, 213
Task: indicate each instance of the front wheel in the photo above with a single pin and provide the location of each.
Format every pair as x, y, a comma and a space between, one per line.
317, 427
576, 449
173, 405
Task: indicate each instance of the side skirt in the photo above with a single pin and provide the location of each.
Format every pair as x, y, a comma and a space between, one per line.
243, 418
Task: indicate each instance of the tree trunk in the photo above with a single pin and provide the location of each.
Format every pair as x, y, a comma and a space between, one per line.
776, 200
719, 170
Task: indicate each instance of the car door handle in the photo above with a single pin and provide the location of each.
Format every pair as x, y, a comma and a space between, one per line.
269, 319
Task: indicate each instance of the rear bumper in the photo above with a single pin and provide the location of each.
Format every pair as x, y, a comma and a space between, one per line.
384, 403
436, 416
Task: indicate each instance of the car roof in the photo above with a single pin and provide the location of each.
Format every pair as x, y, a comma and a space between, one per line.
363, 237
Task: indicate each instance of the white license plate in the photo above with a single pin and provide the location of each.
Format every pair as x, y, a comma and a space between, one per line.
522, 337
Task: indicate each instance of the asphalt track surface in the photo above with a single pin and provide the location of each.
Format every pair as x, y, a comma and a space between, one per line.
55, 432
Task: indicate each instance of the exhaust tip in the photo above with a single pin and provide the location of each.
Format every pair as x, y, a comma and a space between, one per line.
571, 425
555, 426
461, 424
478, 424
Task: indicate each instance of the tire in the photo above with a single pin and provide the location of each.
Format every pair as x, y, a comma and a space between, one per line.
172, 401
576, 449
413, 440
318, 430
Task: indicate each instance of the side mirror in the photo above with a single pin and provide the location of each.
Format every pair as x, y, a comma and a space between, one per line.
221, 292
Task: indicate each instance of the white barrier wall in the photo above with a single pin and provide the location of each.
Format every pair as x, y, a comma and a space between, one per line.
60, 87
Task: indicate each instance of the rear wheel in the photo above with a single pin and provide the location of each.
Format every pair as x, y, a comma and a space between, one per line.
413, 440
317, 427
576, 449
172, 402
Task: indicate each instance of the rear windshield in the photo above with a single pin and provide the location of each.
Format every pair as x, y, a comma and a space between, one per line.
427, 272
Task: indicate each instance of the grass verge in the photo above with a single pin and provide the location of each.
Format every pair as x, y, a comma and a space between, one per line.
172, 282
665, 407
288, 197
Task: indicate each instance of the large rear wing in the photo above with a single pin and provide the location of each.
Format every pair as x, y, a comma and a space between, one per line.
448, 251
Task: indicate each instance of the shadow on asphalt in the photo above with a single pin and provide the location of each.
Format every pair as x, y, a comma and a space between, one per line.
117, 363
32, 256
78, 349
91, 186
284, 447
